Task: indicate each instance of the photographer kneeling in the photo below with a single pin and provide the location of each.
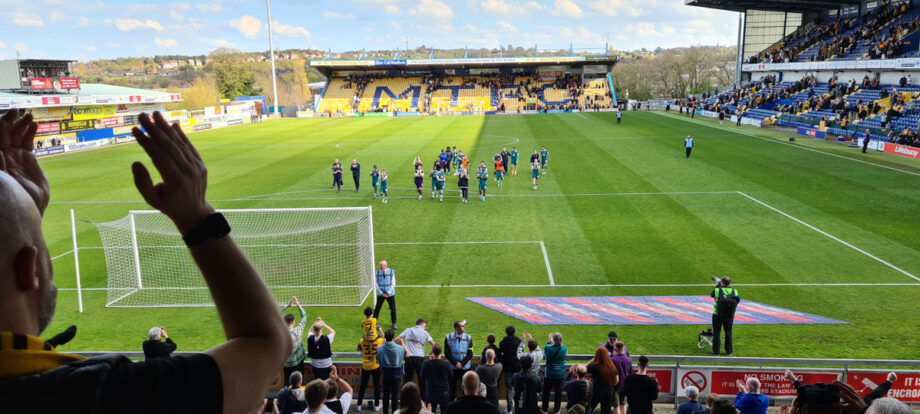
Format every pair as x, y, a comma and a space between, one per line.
723, 312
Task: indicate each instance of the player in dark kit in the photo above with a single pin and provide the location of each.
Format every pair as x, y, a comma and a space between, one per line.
505, 156
337, 175
464, 185
419, 178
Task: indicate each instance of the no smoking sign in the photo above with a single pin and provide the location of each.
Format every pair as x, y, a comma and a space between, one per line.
694, 378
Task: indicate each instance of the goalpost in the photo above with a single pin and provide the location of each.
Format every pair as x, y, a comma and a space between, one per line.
324, 256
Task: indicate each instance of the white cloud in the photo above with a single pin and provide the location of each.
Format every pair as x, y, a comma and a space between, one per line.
334, 15
612, 7
91, 49
27, 20
501, 7
248, 26
179, 17
290, 31
54, 2
506, 27
435, 9
566, 8
646, 29
126, 25
2, 45
209, 8
182, 6
391, 9
84, 21
58, 16
165, 43
217, 43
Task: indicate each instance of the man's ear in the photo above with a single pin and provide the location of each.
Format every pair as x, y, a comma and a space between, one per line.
24, 268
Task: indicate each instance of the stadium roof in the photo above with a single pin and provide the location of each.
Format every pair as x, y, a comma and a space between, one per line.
327, 66
772, 5
88, 94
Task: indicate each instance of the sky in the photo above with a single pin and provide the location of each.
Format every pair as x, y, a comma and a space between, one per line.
87, 29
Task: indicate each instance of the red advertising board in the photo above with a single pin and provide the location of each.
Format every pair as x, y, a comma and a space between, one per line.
69, 83
110, 122
51, 100
48, 128
772, 383
906, 388
664, 378
40, 84
902, 150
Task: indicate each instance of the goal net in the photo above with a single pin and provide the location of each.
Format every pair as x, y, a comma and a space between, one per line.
324, 256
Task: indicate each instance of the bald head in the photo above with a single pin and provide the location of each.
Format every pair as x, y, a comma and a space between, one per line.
27, 293
752, 385
470, 383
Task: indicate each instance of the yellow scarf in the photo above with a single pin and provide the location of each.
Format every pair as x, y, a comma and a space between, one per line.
25, 354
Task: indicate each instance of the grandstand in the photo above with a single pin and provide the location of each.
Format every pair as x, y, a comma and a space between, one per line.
469, 85
836, 67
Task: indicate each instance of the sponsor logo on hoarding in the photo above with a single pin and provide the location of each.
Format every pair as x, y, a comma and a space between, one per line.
69, 83
234, 122
906, 388
49, 151
48, 128
92, 112
51, 100
80, 125
122, 140
902, 150
41, 84
201, 127
390, 62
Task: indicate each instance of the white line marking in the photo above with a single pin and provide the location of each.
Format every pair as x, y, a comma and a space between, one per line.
830, 236
617, 286
580, 115
462, 242
549, 270
249, 199
738, 130
61, 255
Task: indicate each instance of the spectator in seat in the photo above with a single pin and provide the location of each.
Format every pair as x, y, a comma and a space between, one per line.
489, 372
693, 404
315, 395
749, 399
509, 347
640, 389
577, 388
410, 400
339, 395
291, 398
295, 361
154, 347
527, 386
436, 376
319, 347
229, 377
471, 401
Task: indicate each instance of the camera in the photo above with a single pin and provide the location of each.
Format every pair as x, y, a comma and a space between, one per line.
715, 279
819, 393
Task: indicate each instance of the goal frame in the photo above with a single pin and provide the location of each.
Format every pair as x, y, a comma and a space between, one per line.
137, 265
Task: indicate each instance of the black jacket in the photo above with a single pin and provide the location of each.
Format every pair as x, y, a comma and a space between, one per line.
158, 349
508, 356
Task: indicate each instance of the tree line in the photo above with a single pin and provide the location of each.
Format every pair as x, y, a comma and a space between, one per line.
674, 73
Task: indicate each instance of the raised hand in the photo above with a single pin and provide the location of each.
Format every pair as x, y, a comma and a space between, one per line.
851, 402
17, 159
181, 194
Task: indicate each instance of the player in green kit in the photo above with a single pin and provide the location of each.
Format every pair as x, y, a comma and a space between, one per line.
514, 158
434, 180
535, 167
544, 158
383, 185
454, 159
375, 179
441, 178
483, 175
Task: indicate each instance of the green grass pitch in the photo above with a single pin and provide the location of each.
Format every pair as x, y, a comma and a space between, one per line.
621, 212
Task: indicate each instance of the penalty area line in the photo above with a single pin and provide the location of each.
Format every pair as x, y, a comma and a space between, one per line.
832, 237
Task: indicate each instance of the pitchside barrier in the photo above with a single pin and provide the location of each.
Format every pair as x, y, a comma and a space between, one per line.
709, 374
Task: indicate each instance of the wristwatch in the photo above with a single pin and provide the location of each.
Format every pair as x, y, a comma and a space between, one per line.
214, 226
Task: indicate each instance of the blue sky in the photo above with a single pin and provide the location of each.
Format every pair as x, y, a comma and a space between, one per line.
87, 29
